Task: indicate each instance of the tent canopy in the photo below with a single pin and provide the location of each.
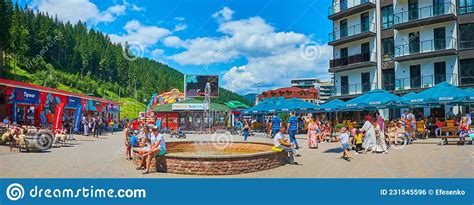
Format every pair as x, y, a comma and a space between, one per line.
333, 105
234, 104
376, 99
295, 104
442, 93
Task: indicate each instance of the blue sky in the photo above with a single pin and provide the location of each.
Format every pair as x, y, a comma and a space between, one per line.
243, 41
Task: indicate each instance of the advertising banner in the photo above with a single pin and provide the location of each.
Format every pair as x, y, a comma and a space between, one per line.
201, 86
77, 118
58, 115
26, 96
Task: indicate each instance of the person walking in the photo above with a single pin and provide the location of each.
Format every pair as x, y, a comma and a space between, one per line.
293, 128
246, 130
369, 130
312, 134
85, 124
275, 124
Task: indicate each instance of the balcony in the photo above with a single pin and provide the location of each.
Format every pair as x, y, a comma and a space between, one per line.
424, 16
352, 33
464, 45
346, 8
361, 60
466, 9
426, 49
422, 82
354, 89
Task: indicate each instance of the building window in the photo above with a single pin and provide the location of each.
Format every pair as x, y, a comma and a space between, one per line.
387, 16
387, 48
467, 71
388, 77
344, 85
466, 35
440, 72
466, 6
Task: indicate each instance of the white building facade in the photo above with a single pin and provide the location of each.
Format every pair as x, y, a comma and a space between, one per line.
400, 46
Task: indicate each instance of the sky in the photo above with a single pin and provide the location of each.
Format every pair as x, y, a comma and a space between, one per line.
245, 42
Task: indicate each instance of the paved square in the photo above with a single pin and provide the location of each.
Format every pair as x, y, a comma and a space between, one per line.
104, 158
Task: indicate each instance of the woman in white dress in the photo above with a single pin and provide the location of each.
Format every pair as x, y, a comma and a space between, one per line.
380, 145
369, 130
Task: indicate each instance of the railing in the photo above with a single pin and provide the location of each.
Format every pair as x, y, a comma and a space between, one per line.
358, 58
466, 80
466, 44
466, 9
425, 46
351, 31
347, 4
354, 89
425, 81
424, 12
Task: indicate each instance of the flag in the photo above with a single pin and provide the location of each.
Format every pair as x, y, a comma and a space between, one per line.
77, 118
58, 115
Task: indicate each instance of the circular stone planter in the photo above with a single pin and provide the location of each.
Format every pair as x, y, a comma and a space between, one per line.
213, 158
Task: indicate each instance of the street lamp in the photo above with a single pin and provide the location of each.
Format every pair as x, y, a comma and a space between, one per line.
258, 89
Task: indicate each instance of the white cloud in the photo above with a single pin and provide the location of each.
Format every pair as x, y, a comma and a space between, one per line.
273, 57
157, 52
79, 10
137, 8
225, 14
136, 32
174, 41
180, 27
179, 18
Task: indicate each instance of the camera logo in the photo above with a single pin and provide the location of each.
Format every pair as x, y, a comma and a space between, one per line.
15, 191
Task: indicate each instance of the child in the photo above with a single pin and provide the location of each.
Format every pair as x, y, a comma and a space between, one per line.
345, 144
439, 125
463, 131
358, 141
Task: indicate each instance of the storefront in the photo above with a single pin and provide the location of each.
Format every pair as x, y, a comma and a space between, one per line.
24, 103
191, 115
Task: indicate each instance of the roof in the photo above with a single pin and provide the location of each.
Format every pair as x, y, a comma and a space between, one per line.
17, 84
234, 104
291, 92
169, 107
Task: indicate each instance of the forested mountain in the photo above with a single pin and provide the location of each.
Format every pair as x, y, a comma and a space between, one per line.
38, 48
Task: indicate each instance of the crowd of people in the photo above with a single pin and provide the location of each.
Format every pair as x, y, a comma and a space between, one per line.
149, 139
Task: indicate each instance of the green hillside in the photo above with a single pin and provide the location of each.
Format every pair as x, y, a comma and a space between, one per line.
40, 49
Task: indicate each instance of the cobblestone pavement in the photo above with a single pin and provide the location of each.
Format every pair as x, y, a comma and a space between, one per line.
104, 158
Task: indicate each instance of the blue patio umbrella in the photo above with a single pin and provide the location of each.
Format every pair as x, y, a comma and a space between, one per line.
261, 108
376, 99
443, 93
409, 96
333, 105
295, 104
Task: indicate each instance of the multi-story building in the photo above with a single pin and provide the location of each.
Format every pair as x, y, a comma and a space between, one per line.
325, 91
308, 95
400, 45
304, 83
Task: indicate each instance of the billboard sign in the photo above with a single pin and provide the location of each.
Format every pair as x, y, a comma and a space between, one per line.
201, 86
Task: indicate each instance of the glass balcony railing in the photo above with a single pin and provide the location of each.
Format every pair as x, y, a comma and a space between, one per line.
354, 89
343, 5
425, 46
466, 45
424, 12
351, 31
358, 58
425, 81
466, 9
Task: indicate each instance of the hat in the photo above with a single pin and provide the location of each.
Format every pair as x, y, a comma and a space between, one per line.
136, 132
154, 128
